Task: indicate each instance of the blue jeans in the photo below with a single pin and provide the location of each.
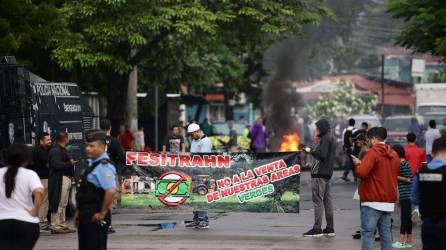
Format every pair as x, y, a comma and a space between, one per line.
372, 219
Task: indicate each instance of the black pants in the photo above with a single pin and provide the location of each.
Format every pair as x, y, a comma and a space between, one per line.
92, 236
406, 217
18, 235
433, 233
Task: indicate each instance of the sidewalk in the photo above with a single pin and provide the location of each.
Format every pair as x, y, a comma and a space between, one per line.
139, 228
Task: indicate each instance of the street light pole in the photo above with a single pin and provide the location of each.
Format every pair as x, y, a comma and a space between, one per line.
382, 87
156, 116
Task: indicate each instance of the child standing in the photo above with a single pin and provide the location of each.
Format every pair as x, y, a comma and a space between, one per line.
404, 191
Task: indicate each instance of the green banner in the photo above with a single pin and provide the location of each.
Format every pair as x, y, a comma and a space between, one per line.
255, 182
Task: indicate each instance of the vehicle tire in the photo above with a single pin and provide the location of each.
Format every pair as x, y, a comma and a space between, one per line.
202, 190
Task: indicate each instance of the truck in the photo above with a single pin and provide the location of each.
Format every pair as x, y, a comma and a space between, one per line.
30, 105
430, 98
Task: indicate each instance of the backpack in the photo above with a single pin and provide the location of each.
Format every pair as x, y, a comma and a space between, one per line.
348, 138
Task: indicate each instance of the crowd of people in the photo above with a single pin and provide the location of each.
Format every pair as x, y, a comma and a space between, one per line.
35, 189
38, 182
386, 175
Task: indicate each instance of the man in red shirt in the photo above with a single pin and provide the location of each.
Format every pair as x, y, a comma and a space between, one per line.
126, 139
415, 155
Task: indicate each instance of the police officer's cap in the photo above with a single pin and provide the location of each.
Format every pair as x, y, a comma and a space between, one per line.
96, 136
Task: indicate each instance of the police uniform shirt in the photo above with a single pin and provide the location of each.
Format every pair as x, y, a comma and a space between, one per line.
103, 176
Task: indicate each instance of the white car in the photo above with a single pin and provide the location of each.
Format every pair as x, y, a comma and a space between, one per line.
372, 120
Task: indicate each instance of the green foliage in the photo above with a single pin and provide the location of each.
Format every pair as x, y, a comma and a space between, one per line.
26, 28
121, 34
180, 42
425, 28
342, 102
439, 77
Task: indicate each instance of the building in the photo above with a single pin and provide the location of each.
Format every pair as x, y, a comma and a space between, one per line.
398, 96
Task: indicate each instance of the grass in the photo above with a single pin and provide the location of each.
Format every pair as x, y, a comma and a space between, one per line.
289, 202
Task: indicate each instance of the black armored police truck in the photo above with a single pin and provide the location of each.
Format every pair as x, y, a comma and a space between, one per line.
30, 105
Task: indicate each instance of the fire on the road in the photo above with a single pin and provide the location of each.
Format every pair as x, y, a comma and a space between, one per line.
290, 143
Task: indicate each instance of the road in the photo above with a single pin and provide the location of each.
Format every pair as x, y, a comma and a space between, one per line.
140, 228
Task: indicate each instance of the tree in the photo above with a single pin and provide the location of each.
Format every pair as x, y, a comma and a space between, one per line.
257, 26
344, 101
25, 30
425, 29
116, 36
178, 41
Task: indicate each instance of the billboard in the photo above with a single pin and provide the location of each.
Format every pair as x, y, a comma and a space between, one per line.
253, 182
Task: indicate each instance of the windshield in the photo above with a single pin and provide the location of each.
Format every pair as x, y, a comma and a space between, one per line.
427, 109
439, 118
398, 125
373, 122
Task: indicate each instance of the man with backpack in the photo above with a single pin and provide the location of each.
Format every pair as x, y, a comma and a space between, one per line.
347, 134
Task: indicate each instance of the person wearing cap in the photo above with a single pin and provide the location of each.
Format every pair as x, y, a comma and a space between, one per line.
95, 195
200, 144
428, 193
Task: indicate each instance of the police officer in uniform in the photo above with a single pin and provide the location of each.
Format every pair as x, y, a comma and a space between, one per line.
428, 192
96, 191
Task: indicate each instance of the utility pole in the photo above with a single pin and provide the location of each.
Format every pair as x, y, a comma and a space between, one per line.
382, 87
156, 116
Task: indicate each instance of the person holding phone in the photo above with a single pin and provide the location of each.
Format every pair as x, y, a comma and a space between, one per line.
378, 173
321, 173
19, 221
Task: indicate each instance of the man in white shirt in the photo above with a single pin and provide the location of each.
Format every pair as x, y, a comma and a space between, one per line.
430, 136
200, 144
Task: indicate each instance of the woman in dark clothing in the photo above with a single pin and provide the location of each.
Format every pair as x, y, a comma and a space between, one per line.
19, 221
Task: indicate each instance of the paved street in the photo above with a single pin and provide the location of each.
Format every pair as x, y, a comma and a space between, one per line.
139, 228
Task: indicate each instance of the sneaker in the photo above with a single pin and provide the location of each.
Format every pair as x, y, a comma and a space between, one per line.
329, 232
398, 245
111, 230
192, 224
313, 233
416, 218
345, 179
202, 224
45, 230
408, 245
357, 235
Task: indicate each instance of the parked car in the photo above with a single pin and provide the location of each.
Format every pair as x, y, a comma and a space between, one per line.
372, 120
398, 126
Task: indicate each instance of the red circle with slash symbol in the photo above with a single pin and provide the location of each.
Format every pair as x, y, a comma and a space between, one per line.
167, 197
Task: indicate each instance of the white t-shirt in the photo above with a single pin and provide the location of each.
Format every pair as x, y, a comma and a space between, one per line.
26, 181
381, 206
202, 145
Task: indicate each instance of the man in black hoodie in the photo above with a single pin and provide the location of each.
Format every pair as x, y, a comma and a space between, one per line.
321, 173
